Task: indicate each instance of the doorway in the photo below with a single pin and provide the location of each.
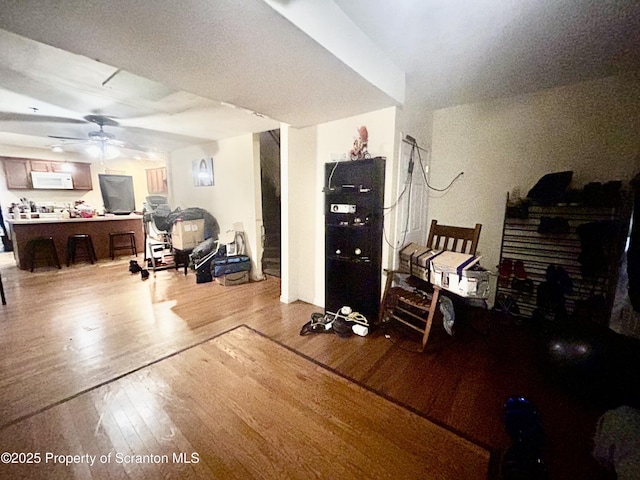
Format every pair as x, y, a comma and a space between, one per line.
271, 217
413, 198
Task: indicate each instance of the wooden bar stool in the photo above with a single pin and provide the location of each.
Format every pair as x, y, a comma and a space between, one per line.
85, 243
42, 245
115, 243
4, 299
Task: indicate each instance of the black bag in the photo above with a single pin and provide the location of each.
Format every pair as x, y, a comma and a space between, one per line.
551, 188
204, 265
203, 274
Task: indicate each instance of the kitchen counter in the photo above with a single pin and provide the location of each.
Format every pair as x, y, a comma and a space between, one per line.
24, 229
54, 218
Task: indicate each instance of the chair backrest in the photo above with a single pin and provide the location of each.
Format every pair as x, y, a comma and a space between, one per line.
454, 239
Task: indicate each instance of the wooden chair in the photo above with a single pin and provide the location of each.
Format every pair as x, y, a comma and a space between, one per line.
453, 239
416, 308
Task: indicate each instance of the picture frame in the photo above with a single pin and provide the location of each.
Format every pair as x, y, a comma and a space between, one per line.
202, 171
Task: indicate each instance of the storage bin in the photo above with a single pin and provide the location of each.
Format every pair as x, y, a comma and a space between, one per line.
234, 264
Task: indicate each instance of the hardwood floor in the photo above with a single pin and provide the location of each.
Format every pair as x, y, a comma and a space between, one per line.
65, 332
164, 419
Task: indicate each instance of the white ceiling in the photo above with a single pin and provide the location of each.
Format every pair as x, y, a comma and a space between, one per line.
170, 73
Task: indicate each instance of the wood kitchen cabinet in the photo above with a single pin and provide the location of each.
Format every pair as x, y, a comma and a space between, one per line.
81, 176
18, 172
53, 166
60, 167
157, 180
40, 166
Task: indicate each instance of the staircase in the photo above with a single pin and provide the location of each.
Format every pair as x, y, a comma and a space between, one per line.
271, 219
270, 179
271, 256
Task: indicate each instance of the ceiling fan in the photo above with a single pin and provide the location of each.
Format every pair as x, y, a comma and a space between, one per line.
100, 144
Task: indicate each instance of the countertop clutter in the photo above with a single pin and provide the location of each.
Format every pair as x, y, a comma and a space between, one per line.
56, 218
28, 211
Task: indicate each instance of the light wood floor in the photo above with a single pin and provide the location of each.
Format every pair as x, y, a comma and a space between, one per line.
239, 406
67, 332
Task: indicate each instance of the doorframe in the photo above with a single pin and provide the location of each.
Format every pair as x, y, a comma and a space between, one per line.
412, 201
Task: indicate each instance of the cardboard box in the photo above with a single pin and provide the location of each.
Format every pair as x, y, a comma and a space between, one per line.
231, 279
415, 259
187, 234
460, 273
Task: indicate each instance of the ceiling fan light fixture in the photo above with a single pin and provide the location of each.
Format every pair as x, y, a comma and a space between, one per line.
111, 152
103, 152
94, 151
101, 136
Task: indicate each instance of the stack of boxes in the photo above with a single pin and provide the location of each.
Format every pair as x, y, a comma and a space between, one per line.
456, 272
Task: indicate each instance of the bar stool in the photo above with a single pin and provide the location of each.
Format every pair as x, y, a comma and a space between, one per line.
84, 241
4, 299
42, 245
115, 237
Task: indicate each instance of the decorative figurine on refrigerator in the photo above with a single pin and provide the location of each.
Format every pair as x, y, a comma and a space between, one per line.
359, 150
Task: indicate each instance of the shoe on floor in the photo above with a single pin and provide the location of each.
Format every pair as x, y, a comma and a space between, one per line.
134, 267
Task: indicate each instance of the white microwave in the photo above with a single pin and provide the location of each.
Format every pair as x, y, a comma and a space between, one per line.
52, 180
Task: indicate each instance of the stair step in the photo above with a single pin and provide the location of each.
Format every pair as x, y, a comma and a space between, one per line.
275, 272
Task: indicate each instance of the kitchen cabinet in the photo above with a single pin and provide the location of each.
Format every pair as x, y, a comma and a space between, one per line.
157, 180
81, 176
60, 167
50, 166
17, 172
40, 166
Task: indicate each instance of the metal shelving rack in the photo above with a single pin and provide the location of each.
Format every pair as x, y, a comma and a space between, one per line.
522, 240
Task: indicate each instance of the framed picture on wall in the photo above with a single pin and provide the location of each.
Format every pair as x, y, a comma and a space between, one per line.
202, 172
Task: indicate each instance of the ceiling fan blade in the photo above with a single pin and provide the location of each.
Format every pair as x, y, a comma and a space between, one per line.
67, 138
25, 117
133, 146
65, 145
102, 120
